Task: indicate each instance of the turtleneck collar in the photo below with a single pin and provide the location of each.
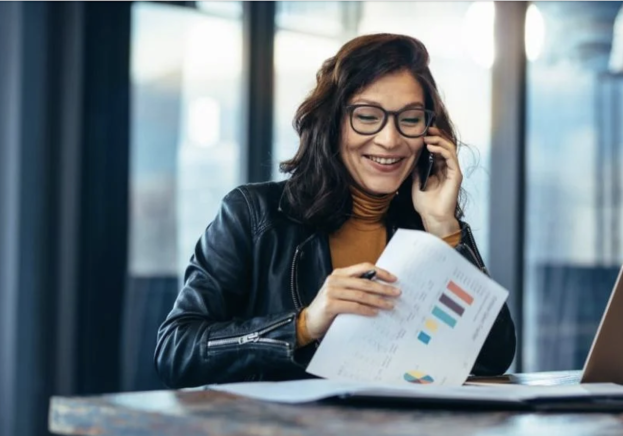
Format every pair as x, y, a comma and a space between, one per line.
367, 208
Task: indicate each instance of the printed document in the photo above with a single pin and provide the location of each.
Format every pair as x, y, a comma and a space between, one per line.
303, 391
434, 333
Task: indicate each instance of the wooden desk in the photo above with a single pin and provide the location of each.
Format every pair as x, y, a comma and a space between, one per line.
190, 413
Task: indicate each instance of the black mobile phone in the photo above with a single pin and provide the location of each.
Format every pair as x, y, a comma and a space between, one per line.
425, 168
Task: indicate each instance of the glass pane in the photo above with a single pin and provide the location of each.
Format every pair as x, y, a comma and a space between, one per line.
318, 18
295, 70
186, 109
573, 213
226, 9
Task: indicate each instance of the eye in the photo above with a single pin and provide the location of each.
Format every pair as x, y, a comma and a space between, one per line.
368, 115
410, 121
412, 117
367, 118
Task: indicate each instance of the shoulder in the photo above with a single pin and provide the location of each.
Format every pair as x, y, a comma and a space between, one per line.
264, 191
263, 196
261, 201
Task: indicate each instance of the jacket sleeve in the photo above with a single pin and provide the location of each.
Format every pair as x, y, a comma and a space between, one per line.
498, 351
205, 339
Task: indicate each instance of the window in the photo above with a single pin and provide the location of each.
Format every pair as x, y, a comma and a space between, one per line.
186, 116
316, 26
574, 159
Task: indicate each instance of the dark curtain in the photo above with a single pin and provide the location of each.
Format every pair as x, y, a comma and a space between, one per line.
147, 302
64, 129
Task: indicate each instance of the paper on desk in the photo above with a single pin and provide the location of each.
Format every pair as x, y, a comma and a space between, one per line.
302, 391
435, 331
296, 391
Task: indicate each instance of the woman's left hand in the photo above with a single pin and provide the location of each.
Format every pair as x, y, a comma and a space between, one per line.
437, 204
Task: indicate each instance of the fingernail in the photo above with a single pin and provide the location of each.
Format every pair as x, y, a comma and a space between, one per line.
397, 291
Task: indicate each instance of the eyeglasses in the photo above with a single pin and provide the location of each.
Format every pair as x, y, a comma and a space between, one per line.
369, 120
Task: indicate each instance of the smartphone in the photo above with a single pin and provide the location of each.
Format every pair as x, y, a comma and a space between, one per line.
425, 168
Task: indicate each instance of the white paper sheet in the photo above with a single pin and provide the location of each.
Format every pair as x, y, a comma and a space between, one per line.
434, 333
303, 391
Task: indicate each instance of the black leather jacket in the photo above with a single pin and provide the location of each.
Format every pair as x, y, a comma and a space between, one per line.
253, 270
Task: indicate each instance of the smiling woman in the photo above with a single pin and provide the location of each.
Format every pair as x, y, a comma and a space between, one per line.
378, 155
282, 259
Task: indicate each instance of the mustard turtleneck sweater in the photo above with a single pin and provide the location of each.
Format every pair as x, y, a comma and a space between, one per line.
363, 237
360, 239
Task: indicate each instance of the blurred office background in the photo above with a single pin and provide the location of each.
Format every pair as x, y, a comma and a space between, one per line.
122, 126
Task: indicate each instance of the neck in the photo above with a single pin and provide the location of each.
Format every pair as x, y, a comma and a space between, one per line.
369, 207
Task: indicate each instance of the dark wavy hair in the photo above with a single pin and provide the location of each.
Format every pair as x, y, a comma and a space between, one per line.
318, 186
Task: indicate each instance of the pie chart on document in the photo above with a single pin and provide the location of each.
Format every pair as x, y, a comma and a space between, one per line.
418, 377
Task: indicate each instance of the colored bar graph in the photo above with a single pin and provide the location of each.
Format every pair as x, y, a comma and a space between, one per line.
431, 325
456, 290
451, 304
444, 317
423, 337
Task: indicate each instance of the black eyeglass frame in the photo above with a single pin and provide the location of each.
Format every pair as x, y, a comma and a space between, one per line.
351, 109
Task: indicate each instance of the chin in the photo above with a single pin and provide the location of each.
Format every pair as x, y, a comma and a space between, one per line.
382, 187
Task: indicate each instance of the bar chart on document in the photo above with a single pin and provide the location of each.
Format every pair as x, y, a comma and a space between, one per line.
445, 315
434, 333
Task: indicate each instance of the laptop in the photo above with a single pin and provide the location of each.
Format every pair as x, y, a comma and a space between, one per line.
604, 363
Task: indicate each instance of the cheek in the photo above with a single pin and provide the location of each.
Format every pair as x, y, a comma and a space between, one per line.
351, 143
417, 147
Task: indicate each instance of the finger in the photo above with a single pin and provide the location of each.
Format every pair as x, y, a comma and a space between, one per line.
362, 297
450, 158
342, 306
448, 146
442, 142
436, 131
360, 268
435, 179
371, 286
438, 149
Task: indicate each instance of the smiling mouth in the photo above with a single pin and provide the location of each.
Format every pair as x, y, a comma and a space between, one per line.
384, 160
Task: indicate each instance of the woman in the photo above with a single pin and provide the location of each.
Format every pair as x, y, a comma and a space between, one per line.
282, 259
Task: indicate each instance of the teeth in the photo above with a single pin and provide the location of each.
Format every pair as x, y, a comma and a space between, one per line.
383, 160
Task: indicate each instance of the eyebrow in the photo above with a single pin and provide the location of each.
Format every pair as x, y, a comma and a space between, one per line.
415, 104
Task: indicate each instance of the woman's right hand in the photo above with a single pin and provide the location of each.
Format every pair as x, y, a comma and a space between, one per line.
345, 292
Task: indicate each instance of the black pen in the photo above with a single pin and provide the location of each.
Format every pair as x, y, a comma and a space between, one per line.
369, 275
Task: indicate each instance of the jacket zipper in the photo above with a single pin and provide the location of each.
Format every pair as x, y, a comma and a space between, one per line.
474, 253
294, 289
254, 337
296, 298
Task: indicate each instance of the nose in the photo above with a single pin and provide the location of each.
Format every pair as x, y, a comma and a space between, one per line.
389, 136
